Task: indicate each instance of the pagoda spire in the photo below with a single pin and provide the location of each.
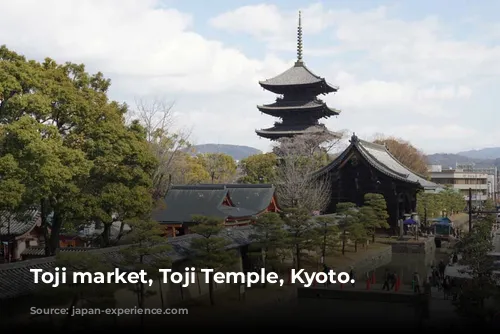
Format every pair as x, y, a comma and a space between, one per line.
299, 40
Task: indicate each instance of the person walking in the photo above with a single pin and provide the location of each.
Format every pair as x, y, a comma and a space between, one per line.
416, 282
387, 278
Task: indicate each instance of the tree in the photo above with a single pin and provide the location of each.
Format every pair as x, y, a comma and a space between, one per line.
221, 167
189, 170
82, 294
357, 234
79, 159
52, 171
166, 143
301, 232
147, 252
269, 234
327, 231
298, 158
452, 201
349, 215
210, 251
474, 248
259, 168
429, 205
378, 218
405, 153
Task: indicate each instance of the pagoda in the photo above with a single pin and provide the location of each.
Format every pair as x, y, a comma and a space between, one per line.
298, 105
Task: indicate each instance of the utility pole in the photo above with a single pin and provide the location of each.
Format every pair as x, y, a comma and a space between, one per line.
470, 209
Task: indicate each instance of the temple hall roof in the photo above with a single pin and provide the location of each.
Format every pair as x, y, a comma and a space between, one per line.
379, 157
20, 223
184, 201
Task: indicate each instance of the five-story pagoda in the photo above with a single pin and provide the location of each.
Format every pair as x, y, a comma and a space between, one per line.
298, 105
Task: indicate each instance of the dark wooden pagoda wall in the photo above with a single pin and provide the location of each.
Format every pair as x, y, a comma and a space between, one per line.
354, 178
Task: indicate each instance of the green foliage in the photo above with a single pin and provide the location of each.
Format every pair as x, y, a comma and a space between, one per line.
147, 252
259, 168
270, 235
61, 138
301, 232
210, 251
350, 216
374, 213
474, 248
328, 234
221, 167
432, 205
357, 234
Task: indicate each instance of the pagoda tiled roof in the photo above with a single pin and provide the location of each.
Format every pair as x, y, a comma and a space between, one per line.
284, 105
299, 74
280, 130
379, 157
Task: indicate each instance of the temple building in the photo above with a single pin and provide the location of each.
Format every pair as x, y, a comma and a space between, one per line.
365, 167
297, 106
235, 204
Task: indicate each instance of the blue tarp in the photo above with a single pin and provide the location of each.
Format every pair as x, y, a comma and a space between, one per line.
442, 221
409, 221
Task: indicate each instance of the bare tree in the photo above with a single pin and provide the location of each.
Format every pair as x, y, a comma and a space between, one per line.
299, 157
166, 142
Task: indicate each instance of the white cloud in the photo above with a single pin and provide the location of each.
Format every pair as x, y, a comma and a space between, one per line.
391, 72
147, 47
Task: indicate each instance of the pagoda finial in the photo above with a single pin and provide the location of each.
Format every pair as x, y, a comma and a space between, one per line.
299, 39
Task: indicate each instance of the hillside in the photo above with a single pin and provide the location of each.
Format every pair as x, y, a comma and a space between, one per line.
450, 160
484, 153
236, 151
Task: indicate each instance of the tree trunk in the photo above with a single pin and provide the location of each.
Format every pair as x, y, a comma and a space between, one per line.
297, 255
54, 232
161, 294
45, 226
356, 246
323, 251
343, 242
69, 316
141, 306
373, 236
106, 240
211, 290
264, 260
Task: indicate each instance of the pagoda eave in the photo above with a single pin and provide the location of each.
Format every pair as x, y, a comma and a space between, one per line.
275, 134
321, 87
276, 111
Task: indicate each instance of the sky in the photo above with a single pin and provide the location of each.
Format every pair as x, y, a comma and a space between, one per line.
424, 71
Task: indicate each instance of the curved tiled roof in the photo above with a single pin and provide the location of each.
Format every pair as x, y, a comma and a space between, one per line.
297, 75
181, 202
381, 159
20, 223
17, 280
279, 131
281, 107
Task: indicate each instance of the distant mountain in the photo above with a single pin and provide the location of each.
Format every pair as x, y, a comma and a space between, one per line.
450, 160
236, 151
484, 153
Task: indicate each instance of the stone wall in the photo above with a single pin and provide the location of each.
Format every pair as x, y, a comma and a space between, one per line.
425, 246
371, 262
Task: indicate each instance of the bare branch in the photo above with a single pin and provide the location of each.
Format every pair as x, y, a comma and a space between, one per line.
298, 158
166, 142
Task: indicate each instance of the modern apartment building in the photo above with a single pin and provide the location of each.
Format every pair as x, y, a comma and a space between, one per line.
481, 184
492, 176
